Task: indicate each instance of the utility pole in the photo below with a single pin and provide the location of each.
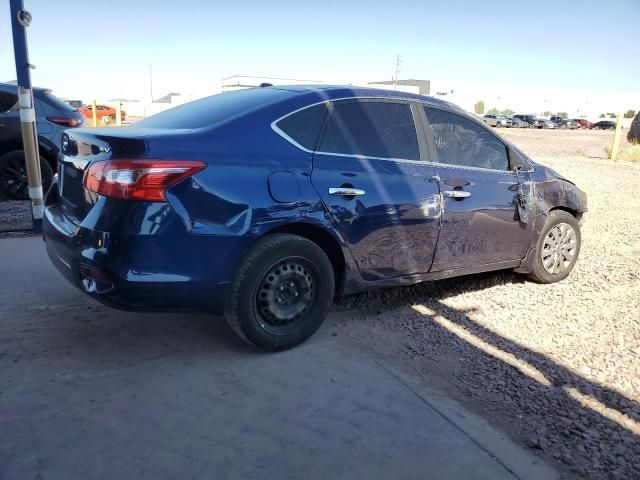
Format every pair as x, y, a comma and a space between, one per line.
20, 20
151, 81
395, 82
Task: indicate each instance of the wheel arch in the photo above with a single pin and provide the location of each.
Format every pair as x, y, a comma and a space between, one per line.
325, 239
46, 151
569, 210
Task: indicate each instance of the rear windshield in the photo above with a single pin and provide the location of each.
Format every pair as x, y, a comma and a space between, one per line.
56, 103
215, 109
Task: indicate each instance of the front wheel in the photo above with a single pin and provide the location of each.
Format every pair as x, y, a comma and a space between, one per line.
281, 293
558, 248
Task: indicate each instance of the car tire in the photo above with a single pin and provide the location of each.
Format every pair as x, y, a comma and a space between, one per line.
563, 127
551, 263
106, 119
13, 176
281, 292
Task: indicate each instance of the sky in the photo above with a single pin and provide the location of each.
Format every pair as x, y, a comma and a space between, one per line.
90, 48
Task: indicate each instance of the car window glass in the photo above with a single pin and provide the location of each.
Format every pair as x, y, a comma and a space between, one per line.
7, 101
303, 127
371, 129
460, 141
212, 110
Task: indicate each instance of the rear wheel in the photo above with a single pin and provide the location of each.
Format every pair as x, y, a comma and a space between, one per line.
281, 292
558, 248
13, 175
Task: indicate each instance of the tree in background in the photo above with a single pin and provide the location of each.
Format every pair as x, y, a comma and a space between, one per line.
630, 113
479, 107
562, 114
546, 114
601, 115
611, 115
507, 112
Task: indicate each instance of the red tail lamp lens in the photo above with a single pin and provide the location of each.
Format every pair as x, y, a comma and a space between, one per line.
145, 180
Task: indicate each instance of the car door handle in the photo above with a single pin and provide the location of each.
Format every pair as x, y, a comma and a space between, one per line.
346, 192
456, 194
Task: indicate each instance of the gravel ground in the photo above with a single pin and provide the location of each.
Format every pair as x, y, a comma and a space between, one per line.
557, 366
15, 218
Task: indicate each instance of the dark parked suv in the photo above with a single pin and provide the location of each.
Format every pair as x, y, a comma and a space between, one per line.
53, 116
634, 131
564, 123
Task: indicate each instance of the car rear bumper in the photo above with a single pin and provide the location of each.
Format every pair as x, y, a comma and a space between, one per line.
143, 272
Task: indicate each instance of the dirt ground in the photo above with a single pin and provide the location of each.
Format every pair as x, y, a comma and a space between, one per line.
565, 143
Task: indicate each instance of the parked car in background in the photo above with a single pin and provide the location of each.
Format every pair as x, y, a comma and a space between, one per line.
105, 113
496, 120
582, 123
604, 125
634, 131
517, 123
53, 116
543, 123
340, 190
564, 123
73, 103
532, 120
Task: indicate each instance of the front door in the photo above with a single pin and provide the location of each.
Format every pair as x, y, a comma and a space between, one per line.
480, 222
370, 171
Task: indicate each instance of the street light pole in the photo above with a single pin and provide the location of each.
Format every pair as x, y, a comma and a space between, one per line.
20, 20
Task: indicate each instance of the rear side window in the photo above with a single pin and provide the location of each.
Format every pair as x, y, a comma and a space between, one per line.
215, 109
371, 129
460, 141
303, 127
7, 101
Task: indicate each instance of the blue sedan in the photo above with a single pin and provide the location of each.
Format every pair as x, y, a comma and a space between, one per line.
267, 203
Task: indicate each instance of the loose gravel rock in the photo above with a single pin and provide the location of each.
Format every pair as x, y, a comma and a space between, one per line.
557, 366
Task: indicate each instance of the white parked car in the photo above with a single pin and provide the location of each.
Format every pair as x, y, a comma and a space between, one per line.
496, 120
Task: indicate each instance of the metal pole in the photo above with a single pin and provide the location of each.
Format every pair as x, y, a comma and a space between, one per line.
151, 81
94, 112
20, 20
615, 147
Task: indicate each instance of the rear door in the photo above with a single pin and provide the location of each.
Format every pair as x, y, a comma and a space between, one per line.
480, 221
371, 168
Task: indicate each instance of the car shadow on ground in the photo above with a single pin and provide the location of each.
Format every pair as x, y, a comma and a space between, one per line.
592, 429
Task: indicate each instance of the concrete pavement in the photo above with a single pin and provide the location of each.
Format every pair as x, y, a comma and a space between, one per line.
87, 392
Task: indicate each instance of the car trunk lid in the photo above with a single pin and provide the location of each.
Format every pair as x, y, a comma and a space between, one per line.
83, 147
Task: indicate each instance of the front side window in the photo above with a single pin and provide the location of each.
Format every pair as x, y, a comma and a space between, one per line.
460, 141
371, 129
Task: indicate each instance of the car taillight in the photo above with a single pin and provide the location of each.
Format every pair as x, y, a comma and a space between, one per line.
66, 122
138, 179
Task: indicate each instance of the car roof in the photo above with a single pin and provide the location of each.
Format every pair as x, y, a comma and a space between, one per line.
13, 88
335, 92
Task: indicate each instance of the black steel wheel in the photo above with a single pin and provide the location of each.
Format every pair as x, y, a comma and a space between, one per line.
13, 176
281, 292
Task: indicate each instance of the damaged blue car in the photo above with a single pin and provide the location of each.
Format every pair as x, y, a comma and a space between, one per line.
267, 203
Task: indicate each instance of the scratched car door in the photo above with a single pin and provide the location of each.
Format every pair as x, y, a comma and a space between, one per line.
480, 224
371, 170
